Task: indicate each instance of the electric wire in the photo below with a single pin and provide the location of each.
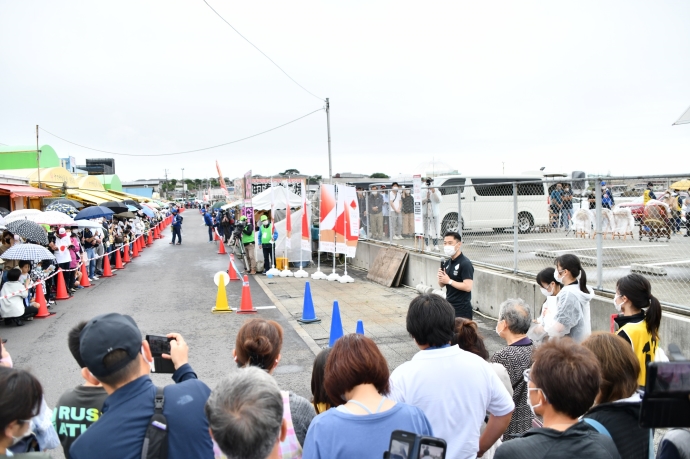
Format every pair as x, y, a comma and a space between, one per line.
264, 54
180, 152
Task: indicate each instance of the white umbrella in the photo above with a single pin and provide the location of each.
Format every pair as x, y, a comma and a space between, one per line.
2, 221
87, 224
52, 217
22, 214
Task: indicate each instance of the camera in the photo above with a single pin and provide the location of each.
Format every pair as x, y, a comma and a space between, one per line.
408, 445
160, 345
666, 400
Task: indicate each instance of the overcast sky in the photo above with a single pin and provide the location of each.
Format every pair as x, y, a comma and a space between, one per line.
586, 85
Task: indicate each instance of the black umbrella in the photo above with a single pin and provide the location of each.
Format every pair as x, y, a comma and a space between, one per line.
69, 202
115, 206
132, 202
28, 230
125, 215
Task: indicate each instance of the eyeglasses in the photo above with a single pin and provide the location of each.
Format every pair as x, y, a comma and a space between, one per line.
526, 375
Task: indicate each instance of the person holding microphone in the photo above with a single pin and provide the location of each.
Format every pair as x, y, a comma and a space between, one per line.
456, 275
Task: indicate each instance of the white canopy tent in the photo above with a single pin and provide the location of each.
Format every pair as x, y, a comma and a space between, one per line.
684, 119
262, 201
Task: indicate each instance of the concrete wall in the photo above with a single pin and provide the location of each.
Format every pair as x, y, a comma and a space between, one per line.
492, 287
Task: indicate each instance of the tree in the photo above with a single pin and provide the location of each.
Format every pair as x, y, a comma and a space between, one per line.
197, 182
290, 172
379, 175
314, 179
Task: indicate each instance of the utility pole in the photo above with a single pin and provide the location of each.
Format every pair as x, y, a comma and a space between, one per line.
165, 191
183, 190
38, 159
328, 127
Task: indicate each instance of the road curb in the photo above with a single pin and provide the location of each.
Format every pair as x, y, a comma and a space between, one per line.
308, 340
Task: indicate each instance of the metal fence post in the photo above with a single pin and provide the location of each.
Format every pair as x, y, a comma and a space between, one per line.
366, 217
515, 228
459, 213
600, 247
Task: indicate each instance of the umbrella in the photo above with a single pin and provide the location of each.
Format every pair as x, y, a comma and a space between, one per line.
115, 206
218, 205
69, 202
66, 209
4, 212
87, 224
94, 212
28, 230
148, 212
53, 217
151, 205
681, 185
125, 215
131, 208
31, 252
22, 214
132, 202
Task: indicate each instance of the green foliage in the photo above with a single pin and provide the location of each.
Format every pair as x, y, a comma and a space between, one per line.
379, 175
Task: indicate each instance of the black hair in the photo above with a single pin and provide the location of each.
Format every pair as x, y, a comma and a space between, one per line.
431, 320
23, 263
454, 234
318, 391
650, 184
73, 342
395, 183
125, 374
13, 274
638, 290
572, 264
45, 264
546, 276
21, 396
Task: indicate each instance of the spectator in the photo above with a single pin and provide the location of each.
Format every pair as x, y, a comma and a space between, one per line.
375, 214
40, 273
99, 249
208, 221
567, 210
556, 204
357, 380
648, 194
362, 205
115, 356
550, 289
320, 398
245, 415
21, 400
258, 344
265, 230
78, 408
395, 199
639, 328
562, 383
12, 308
8, 241
514, 319
607, 201
456, 411
431, 214
408, 214
89, 241
618, 402
176, 228
572, 317
63, 257
592, 199
685, 212
675, 444
386, 211
456, 275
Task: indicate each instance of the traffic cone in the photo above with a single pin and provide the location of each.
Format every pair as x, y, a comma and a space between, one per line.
118, 260
221, 248
107, 272
41, 299
246, 303
308, 314
158, 232
84, 282
150, 242
127, 258
135, 249
360, 327
140, 241
61, 293
221, 299
336, 325
231, 269
215, 236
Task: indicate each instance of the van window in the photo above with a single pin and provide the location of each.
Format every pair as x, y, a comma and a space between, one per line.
452, 185
523, 189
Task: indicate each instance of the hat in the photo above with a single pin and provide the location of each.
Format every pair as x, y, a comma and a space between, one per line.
174, 211
603, 183
242, 218
264, 218
104, 334
61, 231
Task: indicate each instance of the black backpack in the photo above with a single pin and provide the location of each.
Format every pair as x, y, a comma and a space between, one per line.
156, 440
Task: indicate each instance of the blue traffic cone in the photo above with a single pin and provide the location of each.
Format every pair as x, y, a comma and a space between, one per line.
308, 314
336, 325
360, 327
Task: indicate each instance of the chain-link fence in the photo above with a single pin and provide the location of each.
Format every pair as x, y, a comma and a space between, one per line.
521, 225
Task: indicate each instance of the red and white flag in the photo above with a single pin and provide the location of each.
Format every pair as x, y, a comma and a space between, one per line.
221, 180
306, 227
288, 220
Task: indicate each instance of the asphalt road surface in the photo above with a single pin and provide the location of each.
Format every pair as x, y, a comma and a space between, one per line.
166, 289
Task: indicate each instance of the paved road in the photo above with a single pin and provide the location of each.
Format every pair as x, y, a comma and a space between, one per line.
167, 289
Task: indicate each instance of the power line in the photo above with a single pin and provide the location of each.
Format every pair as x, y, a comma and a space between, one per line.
181, 152
264, 54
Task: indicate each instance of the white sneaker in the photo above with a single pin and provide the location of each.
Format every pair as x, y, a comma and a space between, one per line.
95, 278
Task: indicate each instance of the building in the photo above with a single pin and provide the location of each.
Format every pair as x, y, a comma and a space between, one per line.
99, 166
144, 188
16, 194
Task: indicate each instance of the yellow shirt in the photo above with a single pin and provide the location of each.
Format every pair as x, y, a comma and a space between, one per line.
643, 345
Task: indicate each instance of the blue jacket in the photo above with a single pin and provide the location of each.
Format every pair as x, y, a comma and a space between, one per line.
177, 221
208, 219
120, 431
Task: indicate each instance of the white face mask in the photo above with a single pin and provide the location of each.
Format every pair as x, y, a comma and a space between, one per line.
449, 250
395, 188
265, 223
499, 332
545, 292
16, 440
532, 407
619, 307
375, 193
556, 276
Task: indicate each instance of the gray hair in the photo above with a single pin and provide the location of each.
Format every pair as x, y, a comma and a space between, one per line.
245, 413
517, 315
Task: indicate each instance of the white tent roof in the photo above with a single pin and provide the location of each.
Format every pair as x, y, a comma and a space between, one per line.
684, 119
262, 201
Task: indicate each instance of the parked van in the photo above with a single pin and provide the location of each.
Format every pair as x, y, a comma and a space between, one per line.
485, 205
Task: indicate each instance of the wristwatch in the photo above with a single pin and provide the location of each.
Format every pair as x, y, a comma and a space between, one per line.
450, 282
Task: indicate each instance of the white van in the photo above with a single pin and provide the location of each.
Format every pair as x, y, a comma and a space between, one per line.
491, 206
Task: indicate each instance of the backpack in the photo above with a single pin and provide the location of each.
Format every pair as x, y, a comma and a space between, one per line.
156, 441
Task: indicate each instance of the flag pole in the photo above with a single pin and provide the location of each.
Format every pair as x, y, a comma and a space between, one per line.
334, 275
286, 272
319, 274
273, 271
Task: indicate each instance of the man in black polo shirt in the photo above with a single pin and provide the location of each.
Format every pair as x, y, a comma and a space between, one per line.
456, 275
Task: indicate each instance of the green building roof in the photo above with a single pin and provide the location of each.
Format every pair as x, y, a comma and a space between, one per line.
24, 157
110, 182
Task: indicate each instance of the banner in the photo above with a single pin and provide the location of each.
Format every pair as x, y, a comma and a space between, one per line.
248, 209
221, 180
347, 221
327, 216
417, 194
288, 219
306, 227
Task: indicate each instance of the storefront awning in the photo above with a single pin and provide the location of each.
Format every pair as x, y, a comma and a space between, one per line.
86, 198
23, 191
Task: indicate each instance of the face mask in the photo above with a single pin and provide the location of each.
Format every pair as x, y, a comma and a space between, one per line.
407, 193
7, 361
449, 250
16, 440
558, 279
395, 187
619, 307
265, 223
498, 332
545, 292
375, 193
532, 407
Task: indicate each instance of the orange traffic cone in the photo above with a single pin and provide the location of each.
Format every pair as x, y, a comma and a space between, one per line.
84, 277
139, 241
61, 288
135, 250
215, 236
118, 260
150, 241
107, 272
41, 299
221, 248
127, 258
231, 269
246, 303
157, 232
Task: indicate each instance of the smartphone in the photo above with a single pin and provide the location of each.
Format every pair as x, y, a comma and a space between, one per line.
407, 445
666, 401
432, 448
160, 345
402, 444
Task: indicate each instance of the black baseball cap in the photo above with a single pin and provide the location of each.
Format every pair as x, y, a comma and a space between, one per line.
104, 334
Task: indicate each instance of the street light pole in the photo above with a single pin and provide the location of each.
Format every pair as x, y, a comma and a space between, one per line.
328, 127
183, 190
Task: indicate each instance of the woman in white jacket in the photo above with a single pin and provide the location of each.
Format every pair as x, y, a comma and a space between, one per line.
431, 213
573, 318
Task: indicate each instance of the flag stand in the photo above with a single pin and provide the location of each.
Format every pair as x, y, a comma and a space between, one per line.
273, 271
288, 229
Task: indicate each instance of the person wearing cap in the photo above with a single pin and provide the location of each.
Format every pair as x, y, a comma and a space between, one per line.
116, 357
176, 228
208, 221
648, 194
248, 242
607, 201
265, 238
